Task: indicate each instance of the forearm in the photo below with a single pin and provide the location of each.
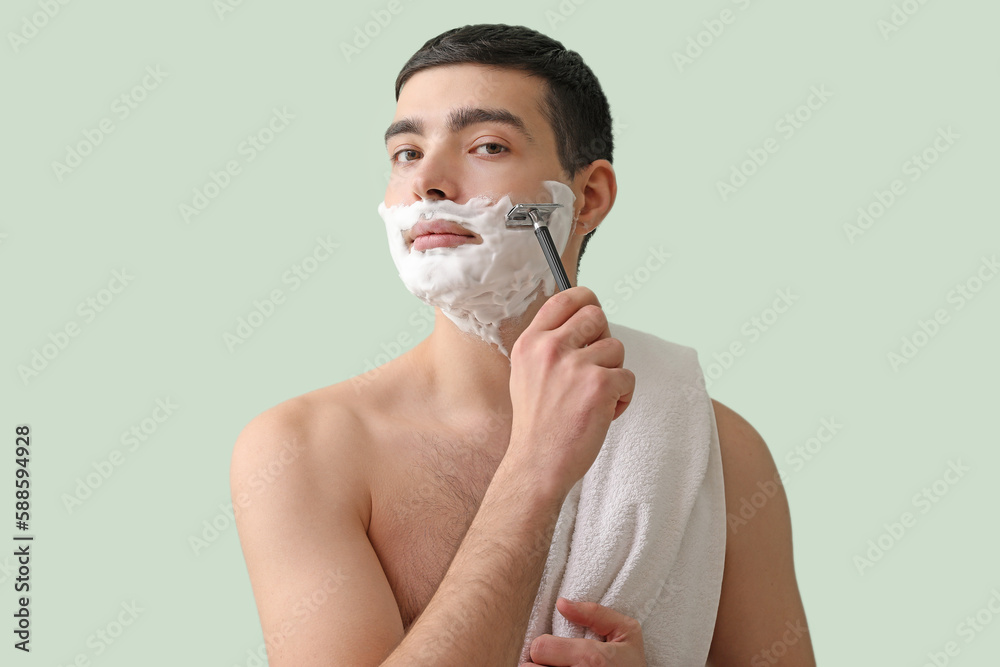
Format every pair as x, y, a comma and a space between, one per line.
479, 614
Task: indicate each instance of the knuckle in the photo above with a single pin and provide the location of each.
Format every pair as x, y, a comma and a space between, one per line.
596, 389
603, 381
594, 311
546, 355
524, 345
594, 320
518, 346
561, 299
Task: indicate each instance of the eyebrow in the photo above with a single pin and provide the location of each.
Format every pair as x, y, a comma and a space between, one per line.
461, 118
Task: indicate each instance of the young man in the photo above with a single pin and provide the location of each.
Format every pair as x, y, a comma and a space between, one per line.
410, 523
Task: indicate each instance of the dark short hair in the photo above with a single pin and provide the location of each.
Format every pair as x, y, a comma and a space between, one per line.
574, 103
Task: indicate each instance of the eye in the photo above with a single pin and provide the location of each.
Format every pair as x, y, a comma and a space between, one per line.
395, 156
402, 150
493, 143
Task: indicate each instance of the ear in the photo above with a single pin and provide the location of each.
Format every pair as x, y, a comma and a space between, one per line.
598, 188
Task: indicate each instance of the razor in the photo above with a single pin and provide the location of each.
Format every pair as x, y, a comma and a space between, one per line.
524, 216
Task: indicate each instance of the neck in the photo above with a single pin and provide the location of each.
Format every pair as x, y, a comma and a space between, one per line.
470, 376
467, 374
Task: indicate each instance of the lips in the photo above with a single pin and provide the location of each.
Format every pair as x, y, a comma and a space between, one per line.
438, 233
428, 241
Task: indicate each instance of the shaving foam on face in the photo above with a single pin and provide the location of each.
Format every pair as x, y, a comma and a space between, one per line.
478, 285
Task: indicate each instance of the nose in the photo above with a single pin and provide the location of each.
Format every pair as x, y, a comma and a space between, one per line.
433, 177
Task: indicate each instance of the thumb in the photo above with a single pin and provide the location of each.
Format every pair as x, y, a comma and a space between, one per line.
580, 612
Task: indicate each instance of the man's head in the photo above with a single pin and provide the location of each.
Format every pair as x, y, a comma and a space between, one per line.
546, 118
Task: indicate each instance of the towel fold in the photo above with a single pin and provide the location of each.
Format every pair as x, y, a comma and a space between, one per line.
644, 531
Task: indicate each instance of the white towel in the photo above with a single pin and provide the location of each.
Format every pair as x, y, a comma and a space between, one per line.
644, 531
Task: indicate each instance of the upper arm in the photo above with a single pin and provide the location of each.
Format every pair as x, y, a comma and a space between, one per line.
761, 619
320, 590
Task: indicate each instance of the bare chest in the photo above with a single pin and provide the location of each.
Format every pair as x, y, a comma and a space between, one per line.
428, 491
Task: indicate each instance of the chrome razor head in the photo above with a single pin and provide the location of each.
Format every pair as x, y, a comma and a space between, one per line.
527, 216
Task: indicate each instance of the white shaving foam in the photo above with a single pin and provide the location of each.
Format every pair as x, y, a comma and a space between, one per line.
478, 285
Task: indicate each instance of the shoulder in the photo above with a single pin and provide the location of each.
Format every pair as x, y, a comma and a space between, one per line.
742, 444
760, 601
288, 455
753, 483
299, 506
297, 425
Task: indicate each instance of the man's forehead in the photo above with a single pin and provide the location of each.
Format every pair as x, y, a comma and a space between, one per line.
469, 82
456, 96
458, 118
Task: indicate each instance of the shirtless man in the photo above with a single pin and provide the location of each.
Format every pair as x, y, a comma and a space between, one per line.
410, 525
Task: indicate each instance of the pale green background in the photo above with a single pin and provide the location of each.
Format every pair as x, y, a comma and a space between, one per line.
677, 134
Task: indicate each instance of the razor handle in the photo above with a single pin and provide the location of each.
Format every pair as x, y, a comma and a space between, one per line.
552, 256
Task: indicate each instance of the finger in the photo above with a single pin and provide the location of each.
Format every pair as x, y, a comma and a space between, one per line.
608, 352
604, 621
586, 326
555, 651
626, 388
620, 383
560, 306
